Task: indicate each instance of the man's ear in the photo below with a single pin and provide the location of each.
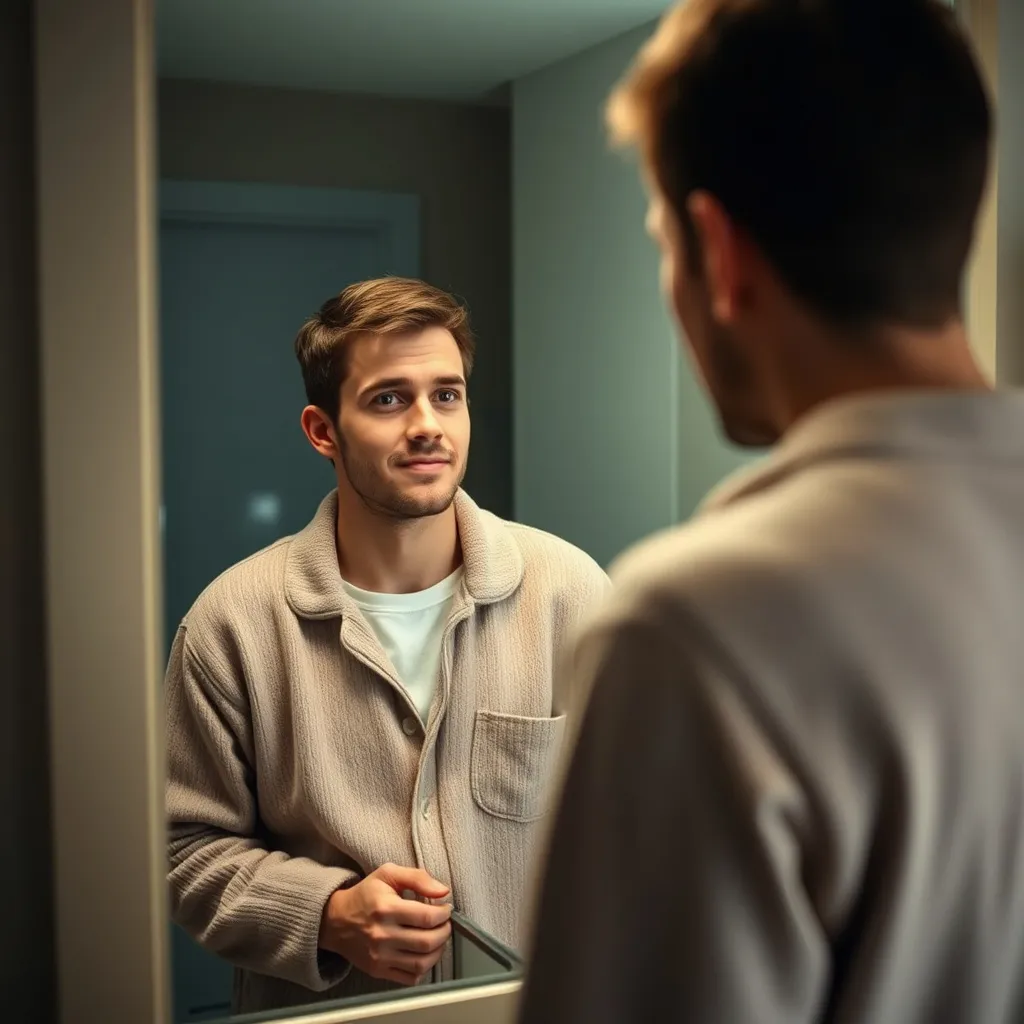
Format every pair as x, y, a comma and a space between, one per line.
319, 431
721, 252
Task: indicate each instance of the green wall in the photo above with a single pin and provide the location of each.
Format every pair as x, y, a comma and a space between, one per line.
215, 131
613, 438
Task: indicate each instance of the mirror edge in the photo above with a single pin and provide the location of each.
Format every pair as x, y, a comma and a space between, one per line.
96, 175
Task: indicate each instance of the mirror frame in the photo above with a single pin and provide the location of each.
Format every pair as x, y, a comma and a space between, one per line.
96, 184
97, 246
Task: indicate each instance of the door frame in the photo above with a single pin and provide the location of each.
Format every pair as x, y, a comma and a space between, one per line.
395, 216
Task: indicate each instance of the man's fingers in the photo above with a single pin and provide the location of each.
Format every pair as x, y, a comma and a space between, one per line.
421, 941
402, 878
412, 914
415, 965
402, 977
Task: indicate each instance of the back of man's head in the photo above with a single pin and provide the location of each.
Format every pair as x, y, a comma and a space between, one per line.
849, 138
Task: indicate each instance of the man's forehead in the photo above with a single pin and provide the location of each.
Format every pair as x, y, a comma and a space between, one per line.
413, 352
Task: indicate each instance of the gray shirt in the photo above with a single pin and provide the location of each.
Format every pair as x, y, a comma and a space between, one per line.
798, 789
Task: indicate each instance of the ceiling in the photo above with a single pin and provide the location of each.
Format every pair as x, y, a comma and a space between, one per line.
458, 50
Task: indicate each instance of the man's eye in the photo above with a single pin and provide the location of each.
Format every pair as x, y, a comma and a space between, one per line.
447, 395
387, 400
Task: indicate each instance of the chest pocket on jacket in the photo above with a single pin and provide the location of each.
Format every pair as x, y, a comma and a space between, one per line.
513, 764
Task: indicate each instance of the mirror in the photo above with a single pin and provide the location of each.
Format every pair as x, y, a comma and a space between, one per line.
608, 437
362, 709
478, 959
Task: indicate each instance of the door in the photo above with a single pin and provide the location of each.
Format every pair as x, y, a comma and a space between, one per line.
241, 267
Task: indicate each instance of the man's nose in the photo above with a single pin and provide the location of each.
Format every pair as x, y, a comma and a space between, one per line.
423, 423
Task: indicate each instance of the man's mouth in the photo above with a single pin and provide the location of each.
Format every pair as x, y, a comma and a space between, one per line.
425, 464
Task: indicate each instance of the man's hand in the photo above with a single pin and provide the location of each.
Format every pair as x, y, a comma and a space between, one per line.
382, 934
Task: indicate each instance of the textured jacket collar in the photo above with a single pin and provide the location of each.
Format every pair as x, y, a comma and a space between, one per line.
492, 560
911, 424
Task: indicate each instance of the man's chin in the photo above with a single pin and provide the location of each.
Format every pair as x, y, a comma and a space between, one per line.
746, 433
419, 502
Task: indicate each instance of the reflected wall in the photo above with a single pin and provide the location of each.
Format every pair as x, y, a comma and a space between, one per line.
609, 416
455, 157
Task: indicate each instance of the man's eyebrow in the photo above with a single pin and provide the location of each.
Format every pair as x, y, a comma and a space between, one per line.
383, 383
387, 383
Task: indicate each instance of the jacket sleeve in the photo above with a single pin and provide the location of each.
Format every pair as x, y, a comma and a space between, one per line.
673, 885
255, 907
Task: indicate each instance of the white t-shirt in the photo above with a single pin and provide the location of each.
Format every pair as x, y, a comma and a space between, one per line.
409, 628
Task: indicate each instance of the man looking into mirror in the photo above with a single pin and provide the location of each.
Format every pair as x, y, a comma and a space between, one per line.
362, 718
799, 784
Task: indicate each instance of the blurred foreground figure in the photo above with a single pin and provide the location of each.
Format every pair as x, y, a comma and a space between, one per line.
797, 792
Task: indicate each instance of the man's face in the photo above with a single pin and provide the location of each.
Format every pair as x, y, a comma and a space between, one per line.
403, 429
716, 337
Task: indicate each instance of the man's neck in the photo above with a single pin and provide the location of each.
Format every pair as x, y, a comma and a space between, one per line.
393, 556
901, 360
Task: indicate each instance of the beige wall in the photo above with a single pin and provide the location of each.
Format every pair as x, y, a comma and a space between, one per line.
996, 284
1010, 212
456, 158
982, 18
26, 938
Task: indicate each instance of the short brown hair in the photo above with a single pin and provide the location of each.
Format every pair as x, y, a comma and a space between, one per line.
385, 305
849, 138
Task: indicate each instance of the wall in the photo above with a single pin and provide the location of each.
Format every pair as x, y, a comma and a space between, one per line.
995, 306
455, 157
982, 20
1010, 199
613, 437
26, 938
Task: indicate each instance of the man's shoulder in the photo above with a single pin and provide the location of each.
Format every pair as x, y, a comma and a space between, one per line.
722, 568
243, 591
561, 559
678, 558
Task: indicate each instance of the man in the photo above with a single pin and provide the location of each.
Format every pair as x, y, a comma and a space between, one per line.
798, 789
365, 711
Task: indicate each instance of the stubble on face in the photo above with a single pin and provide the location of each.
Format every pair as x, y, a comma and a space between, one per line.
383, 497
726, 373
403, 408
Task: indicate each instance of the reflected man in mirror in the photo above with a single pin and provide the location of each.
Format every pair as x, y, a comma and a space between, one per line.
362, 719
